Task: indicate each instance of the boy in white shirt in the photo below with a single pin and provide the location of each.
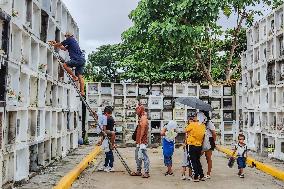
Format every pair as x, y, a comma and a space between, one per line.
241, 150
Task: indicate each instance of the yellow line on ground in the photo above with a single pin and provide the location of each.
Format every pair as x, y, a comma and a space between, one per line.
261, 166
68, 179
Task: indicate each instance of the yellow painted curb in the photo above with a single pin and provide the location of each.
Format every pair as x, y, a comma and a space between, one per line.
68, 179
261, 166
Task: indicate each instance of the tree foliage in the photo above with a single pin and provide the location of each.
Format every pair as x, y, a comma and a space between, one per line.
180, 40
162, 37
103, 64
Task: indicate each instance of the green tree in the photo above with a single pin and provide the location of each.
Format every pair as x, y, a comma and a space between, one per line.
245, 11
178, 40
162, 36
103, 63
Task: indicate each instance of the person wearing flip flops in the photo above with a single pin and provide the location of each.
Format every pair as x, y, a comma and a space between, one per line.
168, 133
141, 142
185, 158
77, 58
241, 150
209, 143
185, 164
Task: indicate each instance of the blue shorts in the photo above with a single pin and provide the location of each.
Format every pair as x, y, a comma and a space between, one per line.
168, 160
241, 161
79, 66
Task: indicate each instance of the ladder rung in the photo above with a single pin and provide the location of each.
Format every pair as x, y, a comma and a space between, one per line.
90, 110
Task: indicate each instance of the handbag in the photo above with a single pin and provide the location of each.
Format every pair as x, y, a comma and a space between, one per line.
231, 162
105, 145
206, 143
212, 143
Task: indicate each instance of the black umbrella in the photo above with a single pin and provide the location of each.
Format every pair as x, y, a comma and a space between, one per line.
194, 103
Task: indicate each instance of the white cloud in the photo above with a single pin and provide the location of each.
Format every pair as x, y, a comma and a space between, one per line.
100, 21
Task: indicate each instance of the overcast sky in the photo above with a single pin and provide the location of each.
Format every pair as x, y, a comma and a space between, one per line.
102, 21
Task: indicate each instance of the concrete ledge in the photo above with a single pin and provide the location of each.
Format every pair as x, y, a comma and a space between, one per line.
67, 181
261, 166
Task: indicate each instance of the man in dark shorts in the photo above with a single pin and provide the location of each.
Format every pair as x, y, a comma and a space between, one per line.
77, 58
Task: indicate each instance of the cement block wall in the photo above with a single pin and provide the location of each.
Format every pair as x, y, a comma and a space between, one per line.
262, 91
159, 101
38, 119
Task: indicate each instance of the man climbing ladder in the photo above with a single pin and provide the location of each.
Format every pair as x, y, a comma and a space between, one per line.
73, 78
77, 58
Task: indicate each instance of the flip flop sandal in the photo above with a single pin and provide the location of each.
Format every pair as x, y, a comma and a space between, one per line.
145, 175
136, 174
167, 173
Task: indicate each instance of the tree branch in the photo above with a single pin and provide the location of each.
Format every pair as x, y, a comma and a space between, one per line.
234, 46
210, 50
235, 69
203, 66
210, 59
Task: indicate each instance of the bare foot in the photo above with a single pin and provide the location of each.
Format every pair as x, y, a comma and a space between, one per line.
75, 78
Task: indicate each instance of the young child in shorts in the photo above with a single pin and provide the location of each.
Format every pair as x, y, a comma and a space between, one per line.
185, 164
241, 150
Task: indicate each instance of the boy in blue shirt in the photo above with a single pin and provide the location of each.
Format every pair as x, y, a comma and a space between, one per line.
77, 58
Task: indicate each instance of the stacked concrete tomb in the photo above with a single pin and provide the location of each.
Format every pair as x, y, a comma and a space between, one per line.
262, 87
161, 107
39, 111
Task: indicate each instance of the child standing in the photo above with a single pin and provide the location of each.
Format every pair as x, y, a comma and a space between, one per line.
168, 142
185, 159
241, 150
109, 159
185, 164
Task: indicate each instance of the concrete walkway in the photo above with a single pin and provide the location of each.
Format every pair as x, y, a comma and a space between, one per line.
52, 174
222, 176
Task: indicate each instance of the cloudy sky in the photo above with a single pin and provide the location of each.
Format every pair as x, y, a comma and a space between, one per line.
100, 21
103, 21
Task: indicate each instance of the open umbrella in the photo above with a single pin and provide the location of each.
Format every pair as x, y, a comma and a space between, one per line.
194, 103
